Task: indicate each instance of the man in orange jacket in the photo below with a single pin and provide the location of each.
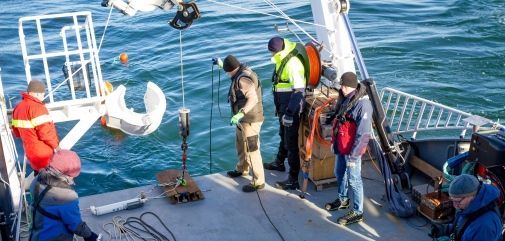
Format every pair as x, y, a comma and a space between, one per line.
33, 124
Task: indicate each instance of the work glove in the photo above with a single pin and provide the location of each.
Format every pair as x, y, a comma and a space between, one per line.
287, 121
438, 230
351, 164
217, 61
236, 118
92, 237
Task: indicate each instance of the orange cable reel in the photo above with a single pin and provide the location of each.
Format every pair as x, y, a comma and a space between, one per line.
315, 70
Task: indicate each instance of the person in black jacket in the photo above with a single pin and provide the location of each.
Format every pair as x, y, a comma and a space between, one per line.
289, 98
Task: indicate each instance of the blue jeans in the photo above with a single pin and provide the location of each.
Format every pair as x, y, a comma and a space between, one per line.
347, 175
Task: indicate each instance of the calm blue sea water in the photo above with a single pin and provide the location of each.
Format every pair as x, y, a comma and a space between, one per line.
451, 51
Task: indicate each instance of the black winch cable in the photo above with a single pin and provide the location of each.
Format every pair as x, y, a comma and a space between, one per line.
210, 119
254, 181
212, 107
243, 137
146, 228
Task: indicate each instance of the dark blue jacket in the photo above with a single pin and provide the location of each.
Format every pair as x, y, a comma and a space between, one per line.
486, 227
61, 201
361, 113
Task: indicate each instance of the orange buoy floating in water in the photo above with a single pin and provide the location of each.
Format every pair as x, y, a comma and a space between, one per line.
123, 57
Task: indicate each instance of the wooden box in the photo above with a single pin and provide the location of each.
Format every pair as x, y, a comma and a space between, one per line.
322, 158
321, 169
435, 206
419, 191
320, 148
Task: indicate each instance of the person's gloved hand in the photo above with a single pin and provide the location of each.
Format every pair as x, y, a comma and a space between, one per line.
287, 121
351, 164
236, 118
438, 230
217, 61
92, 237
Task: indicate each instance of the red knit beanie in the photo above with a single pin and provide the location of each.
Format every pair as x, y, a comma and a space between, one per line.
66, 162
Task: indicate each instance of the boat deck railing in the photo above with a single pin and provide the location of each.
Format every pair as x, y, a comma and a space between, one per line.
409, 115
61, 50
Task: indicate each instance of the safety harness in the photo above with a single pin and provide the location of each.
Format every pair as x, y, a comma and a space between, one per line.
276, 76
36, 206
341, 110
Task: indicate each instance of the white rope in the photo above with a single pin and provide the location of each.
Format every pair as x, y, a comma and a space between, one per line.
21, 198
298, 26
105, 29
268, 14
118, 229
288, 18
284, 16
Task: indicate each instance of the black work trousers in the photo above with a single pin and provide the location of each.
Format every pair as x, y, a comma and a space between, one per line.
288, 147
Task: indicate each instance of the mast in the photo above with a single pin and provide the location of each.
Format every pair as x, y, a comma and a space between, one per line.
343, 54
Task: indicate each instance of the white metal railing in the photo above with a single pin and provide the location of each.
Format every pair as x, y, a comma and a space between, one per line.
409, 114
61, 50
69, 44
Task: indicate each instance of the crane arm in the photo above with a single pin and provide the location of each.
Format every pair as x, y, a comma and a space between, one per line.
187, 12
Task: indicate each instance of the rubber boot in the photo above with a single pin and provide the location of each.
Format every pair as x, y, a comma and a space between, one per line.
276, 165
290, 183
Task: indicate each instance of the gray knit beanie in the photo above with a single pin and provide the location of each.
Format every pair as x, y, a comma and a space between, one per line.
463, 186
349, 79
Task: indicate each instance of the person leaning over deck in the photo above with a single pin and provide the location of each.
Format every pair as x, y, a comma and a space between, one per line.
245, 99
33, 124
352, 126
289, 99
55, 207
477, 216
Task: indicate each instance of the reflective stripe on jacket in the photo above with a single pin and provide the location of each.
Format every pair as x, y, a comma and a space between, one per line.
289, 90
33, 124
